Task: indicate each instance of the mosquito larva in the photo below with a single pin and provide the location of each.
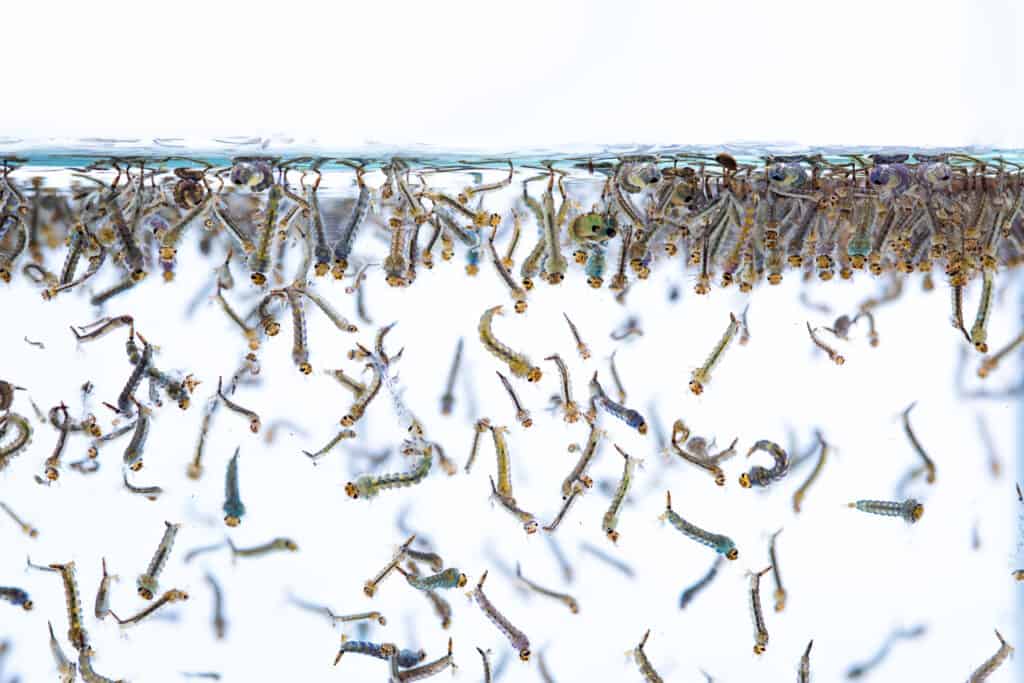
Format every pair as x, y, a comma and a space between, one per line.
760, 630
27, 528
798, 496
133, 452
369, 485
16, 596
569, 408
516, 637
692, 591
518, 364
780, 591
627, 415
169, 597
833, 355
979, 333
148, 582
723, 545
76, 630
504, 462
862, 669
522, 415
581, 347
449, 578
910, 510
349, 230
702, 375
358, 407
514, 288
254, 419
760, 476
275, 545
578, 472
432, 559
644, 664
611, 517
989, 363
929, 464
341, 435
102, 608
481, 426
804, 672
406, 658
65, 667
426, 670
370, 587
993, 662
234, 508
509, 503
15, 445
220, 624
85, 655
615, 377
564, 598
448, 397
328, 310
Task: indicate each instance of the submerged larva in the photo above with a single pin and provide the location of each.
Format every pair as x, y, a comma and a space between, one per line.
518, 364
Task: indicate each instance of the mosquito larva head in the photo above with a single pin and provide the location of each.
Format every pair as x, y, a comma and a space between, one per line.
136, 466
254, 425
759, 649
981, 347
138, 275
533, 375
352, 491
232, 521
745, 480
555, 278
916, 512
720, 478
396, 280
732, 554
258, 279
527, 283
838, 359
530, 527
701, 288
642, 428
613, 536
194, 471
27, 605
305, 368
472, 269
595, 282
579, 256
520, 306
52, 474
696, 387
524, 654
462, 581
145, 593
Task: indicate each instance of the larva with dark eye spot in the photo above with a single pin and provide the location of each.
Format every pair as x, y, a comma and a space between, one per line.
518, 364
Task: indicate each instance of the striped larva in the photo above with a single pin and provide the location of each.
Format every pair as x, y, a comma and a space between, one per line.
518, 364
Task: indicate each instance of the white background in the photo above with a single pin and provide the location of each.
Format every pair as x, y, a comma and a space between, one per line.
453, 75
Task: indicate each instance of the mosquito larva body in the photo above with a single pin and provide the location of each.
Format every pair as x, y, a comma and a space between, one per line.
615, 377
349, 230
27, 528
909, 510
220, 624
691, 592
798, 496
644, 664
514, 288
338, 438
169, 597
67, 669
448, 397
522, 415
702, 375
518, 364
370, 587
276, 545
611, 518
579, 471
124, 399
577, 490
862, 669
509, 503
516, 637
406, 658
234, 508
369, 485
16, 596
570, 410
89, 675
627, 415
929, 464
426, 670
339, 321
76, 630
990, 363
760, 630
433, 560
254, 418
102, 608
449, 578
18, 443
259, 260
504, 468
760, 476
581, 347
359, 405
485, 655
723, 545
979, 331
993, 662
148, 582
563, 598
833, 355
780, 591
481, 426
804, 672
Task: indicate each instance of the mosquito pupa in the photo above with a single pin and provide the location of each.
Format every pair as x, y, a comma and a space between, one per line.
644, 664
702, 375
909, 510
148, 582
833, 355
760, 476
929, 464
691, 592
518, 364
516, 637
27, 528
723, 545
563, 598
102, 608
798, 496
611, 518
